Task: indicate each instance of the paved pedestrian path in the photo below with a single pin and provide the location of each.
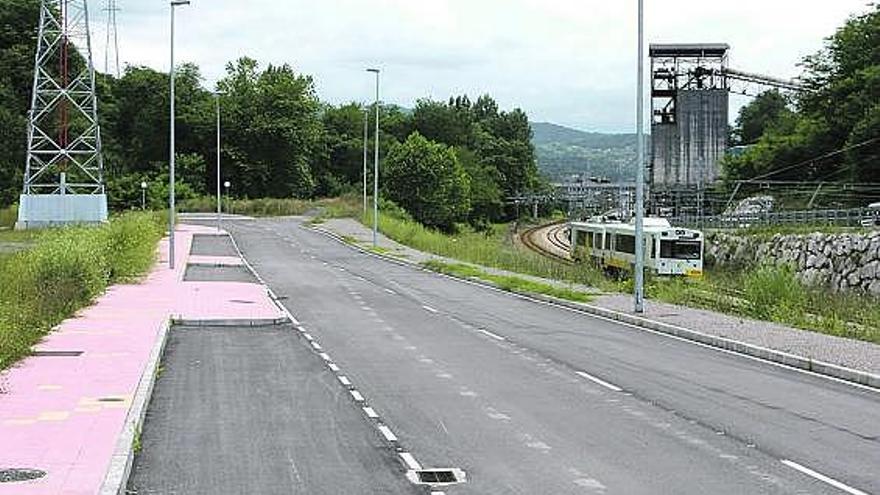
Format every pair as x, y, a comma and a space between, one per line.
63, 410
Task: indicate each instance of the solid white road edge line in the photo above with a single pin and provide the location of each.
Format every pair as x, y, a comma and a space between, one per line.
821, 477
599, 381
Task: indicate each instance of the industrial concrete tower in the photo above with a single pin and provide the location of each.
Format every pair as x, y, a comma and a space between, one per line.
64, 173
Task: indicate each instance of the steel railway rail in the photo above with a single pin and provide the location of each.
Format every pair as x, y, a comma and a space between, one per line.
556, 235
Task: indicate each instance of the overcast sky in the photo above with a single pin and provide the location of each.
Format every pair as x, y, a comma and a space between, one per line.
570, 62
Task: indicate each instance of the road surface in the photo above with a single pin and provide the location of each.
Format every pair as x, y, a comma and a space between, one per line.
529, 398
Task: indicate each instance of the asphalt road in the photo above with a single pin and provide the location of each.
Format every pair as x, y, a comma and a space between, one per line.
253, 411
528, 398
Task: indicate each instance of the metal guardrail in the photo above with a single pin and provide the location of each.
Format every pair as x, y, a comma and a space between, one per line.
841, 218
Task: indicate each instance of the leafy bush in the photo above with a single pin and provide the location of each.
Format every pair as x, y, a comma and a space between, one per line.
64, 271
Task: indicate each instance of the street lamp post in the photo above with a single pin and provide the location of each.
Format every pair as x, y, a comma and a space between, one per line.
219, 207
143, 195
366, 138
639, 292
376, 168
171, 199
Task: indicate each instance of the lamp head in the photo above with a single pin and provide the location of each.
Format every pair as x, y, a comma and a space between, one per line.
178, 3
143, 185
226, 184
374, 71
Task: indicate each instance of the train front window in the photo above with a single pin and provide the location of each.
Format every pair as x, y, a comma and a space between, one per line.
680, 250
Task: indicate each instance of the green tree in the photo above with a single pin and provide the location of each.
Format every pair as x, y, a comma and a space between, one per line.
274, 129
428, 181
767, 111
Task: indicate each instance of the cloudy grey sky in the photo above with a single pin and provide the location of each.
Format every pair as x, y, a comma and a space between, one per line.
566, 61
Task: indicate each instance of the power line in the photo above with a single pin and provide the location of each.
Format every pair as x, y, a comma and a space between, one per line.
812, 160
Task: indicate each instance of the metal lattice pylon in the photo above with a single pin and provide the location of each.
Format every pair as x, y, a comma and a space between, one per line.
64, 138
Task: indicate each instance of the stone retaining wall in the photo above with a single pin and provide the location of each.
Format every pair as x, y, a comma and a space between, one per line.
841, 262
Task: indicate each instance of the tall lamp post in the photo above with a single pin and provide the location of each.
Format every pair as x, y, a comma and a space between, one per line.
639, 292
366, 138
171, 205
376, 168
219, 206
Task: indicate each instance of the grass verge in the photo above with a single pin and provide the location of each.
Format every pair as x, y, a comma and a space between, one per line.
8, 217
507, 282
64, 270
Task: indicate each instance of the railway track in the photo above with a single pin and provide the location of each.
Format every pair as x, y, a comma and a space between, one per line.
550, 241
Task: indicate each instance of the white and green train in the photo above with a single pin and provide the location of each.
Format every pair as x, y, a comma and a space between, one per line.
612, 245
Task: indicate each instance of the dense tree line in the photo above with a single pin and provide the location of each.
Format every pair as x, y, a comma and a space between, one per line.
831, 131
447, 162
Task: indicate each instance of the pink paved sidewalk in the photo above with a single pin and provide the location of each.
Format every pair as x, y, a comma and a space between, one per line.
63, 415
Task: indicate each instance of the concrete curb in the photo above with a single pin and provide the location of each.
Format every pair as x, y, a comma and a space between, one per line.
116, 479
230, 322
779, 357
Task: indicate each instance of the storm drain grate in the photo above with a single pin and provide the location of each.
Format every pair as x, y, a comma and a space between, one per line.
437, 477
19, 475
57, 353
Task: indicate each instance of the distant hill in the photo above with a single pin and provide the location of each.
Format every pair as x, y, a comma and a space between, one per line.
563, 151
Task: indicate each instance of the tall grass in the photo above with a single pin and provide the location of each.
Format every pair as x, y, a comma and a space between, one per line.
263, 207
64, 271
494, 248
8, 217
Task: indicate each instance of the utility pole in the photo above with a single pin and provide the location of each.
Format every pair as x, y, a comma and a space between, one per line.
376, 168
219, 207
171, 200
366, 139
639, 292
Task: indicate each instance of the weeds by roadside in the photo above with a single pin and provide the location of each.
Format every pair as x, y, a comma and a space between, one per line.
64, 271
506, 282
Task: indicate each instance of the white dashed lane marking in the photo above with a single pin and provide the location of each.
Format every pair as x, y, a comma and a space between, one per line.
493, 335
430, 309
821, 477
599, 381
387, 433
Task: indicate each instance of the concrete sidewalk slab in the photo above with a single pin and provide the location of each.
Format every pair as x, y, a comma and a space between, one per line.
62, 411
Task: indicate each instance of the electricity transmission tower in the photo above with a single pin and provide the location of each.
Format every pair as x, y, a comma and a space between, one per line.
64, 172
113, 34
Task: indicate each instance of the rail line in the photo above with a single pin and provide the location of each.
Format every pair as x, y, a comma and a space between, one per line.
536, 240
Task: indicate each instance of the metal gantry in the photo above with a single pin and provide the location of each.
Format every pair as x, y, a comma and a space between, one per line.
64, 138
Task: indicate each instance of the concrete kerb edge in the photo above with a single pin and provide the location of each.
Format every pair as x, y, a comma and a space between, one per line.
275, 299
116, 479
779, 357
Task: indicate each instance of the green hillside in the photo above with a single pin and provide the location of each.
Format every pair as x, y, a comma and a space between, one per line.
563, 151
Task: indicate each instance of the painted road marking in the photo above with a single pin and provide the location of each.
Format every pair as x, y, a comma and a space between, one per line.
317, 346
429, 308
410, 461
333, 367
357, 396
493, 335
370, 412
344, 380
324, 356
308, 337
391, 292
387, 433
599, 381
821, 477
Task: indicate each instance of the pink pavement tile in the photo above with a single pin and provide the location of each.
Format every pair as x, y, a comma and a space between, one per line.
63, 415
